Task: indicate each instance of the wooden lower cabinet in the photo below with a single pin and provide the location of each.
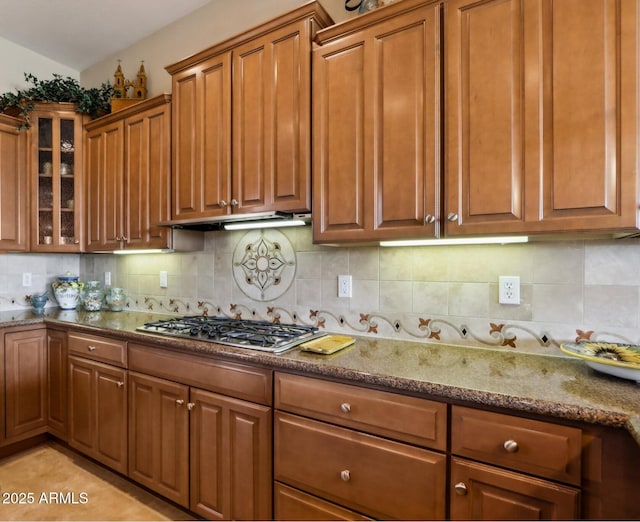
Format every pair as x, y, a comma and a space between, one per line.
293, 504
205, 451
57, 382
368, 474
482, 492
25, 373
98, 411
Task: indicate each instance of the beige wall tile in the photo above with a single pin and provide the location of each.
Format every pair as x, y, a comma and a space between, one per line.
308, 293
611, 306
558, 263
521, 312
396, 296
309, 265
606, 264
557, 303
469, 299
430, 263
431, 298
366, 295
396, 264
364, 263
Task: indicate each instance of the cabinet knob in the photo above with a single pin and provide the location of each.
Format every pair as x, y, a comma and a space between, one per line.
120, 384
345, 475
76, 242
191, 405
460, 488
223, 203
179, 402
345, 407
510, 445
429, 218
452, 216
91, 348
234, 202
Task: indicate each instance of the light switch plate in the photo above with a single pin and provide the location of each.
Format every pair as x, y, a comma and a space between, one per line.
164, 279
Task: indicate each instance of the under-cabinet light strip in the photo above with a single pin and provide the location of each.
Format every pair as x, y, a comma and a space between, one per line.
457, 241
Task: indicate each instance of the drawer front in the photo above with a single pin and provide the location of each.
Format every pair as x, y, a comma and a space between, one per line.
293, 504
98, 348
232, 379
537, 447
376, 477
409, 419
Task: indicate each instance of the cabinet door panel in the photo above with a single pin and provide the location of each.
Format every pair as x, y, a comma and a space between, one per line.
230, 458
147, 177
158, 436
339, 141
496, 494
111, 417
57, 382
13, 198
25, 382
81, 405
484, 85
589, 110
202, 139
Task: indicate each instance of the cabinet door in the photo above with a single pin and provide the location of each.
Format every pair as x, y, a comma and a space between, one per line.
56, 166
147, 171
98, 411
376, 130
292, 504
104, 195
231, 459
482, 492
201, 145
13, 177
159, 436
271, 121
541, 116
57, 368
25, 382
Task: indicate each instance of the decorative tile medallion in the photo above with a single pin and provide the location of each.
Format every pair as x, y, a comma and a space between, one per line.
264, 264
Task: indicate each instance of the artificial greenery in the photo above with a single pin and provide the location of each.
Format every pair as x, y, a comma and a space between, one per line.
95, 101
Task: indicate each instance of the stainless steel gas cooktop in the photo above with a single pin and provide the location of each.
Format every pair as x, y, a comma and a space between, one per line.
241, 333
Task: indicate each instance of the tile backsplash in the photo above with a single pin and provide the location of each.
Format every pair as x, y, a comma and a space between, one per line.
569, 290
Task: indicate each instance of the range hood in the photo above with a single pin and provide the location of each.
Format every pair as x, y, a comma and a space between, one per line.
250, 220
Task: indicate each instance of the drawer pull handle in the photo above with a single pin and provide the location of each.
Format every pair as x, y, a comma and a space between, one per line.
191, 405
179, 402
511, 446
460, 488
345, 475
91, 348
120, 384
345, 407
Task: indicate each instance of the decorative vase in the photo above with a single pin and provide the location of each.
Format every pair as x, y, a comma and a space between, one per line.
92, 296
67, 291
116, 299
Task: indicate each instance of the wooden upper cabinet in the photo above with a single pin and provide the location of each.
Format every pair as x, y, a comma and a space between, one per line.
541, 116
271, 121
376, 119
201, 180
128, 171
13, 177
242, 127
55, 164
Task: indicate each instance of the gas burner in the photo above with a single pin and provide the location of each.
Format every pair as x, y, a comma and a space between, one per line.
241, 333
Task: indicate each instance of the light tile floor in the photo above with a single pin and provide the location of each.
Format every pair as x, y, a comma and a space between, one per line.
55, 483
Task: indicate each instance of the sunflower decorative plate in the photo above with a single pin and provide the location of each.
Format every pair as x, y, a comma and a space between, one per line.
621, 360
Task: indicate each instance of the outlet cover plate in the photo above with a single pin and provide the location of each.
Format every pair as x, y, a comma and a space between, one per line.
344, 286
509, 290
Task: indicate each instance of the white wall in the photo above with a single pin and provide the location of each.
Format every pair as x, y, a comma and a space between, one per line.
211, 24
17, 60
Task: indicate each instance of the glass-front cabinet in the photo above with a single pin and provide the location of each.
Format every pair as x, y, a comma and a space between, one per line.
56, 152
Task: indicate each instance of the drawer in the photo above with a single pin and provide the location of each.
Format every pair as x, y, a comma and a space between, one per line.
409, 419
98, 348
374, 476
293, 504
541, 448
236, 380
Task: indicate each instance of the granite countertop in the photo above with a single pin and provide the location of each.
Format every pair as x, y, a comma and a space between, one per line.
552, 386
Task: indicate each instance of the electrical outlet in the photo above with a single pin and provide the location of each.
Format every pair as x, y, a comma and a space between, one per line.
107, 279
164, 279
26, 278
509, 290
344, 286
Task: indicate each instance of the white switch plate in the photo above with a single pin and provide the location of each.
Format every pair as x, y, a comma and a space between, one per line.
107, 279
509, 290
164, 279
26, 278
344, 286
